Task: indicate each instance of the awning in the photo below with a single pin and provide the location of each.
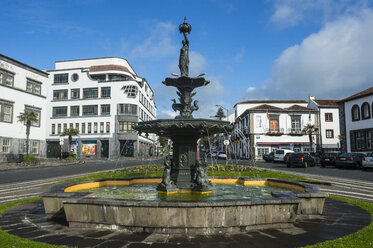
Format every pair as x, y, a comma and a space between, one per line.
281, 143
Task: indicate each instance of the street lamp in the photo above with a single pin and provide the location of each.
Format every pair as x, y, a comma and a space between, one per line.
218, 105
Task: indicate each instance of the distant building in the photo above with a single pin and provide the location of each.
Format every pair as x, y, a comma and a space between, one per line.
356, 121
102, 98
22, 87
263, 126
328, 112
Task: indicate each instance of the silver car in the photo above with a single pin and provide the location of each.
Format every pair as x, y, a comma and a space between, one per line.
367, 161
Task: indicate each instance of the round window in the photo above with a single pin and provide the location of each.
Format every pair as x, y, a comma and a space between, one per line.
74, 77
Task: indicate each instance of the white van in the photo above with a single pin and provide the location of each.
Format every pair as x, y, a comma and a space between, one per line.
280, 153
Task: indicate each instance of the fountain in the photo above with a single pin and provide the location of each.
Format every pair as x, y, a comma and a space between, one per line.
184, 175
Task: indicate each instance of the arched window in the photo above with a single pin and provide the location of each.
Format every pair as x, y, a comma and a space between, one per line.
355, 112
365, 111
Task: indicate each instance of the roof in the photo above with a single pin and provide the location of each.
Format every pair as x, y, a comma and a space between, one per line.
266, 108
271, 101
363, 93
18, 63
326, 102
109, 68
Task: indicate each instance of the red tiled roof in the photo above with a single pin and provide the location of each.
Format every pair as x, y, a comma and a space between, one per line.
363, 93
265, 107
271, 101
326, 102
298, 108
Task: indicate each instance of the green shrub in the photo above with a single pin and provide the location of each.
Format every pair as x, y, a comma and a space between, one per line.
70, 157
30, 159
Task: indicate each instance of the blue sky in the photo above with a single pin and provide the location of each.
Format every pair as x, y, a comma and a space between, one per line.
280, 49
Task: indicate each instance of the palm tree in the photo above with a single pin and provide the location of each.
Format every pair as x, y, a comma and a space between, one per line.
310, 130
70, 132
28, 117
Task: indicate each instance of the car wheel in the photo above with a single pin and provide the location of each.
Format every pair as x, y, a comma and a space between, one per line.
357, 166
305, 164
323, 165
364, 169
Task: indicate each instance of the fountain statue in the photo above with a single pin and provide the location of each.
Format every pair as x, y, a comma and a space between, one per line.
185, 172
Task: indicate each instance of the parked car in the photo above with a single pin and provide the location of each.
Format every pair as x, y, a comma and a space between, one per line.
279, 155
268, 157
328, 159
300, 159
316, 157
351, 159
368, 161
222, 155
286, 157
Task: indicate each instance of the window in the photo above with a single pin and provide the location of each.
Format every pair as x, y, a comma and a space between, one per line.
295, 124
105, 92
361, 140
273, 123
355, 112
328, 117
53, 128
258, 121
95, 127
100, 78
83, 127
90, 110
64, 127
59, 129
77, 126
59, 94
59, 111
89, 127
108, 127
75, 93
74, 77
89, 93
5, 145
117, 77
71, 125
102, 127
125, 126
62, 78
34, 146
6, 111
131, 91
105, 109
74, 110
329, 133
128, 109
6, 78
262, 151
33, 87
38, 114
365, 111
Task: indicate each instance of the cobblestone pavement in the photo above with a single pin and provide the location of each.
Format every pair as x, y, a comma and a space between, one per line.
339, 219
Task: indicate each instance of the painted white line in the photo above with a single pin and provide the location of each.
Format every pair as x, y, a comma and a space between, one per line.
18, 198
347, 192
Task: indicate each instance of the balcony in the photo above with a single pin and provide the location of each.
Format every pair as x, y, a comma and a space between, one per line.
279, 132
296, 132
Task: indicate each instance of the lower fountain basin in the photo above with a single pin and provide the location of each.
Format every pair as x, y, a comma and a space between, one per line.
80, 209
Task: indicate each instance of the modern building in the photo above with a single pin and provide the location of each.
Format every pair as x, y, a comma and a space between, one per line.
263, 126
22, 88
102, 98
356, 121
328, 112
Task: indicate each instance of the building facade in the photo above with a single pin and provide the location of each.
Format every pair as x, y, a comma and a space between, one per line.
329, 131
263, 126
356, 121
102, 98
22, 88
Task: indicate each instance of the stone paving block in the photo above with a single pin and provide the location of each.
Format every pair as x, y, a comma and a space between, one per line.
138, 245
112, 244
50, 239
88, 242
156, 238
97, 234
34, 234
20, 231
68, 241
131, 237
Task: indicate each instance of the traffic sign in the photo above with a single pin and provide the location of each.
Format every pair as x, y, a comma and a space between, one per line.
226, 142
61, 141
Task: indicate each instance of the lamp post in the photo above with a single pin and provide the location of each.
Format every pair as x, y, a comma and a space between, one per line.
218, 105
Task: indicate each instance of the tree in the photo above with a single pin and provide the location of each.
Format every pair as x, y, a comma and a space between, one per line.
220, 114
28, 117
310, 130
70, 132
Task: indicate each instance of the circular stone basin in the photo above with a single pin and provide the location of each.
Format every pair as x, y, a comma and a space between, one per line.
235, 212
148, 192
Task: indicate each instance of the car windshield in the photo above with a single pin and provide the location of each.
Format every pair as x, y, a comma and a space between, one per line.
330, 155
347, 155
296, 155
280, 152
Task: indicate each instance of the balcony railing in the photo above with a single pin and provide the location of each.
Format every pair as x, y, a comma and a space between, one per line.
278, 132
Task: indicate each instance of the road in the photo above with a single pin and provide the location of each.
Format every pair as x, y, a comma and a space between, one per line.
356, 184
23, 183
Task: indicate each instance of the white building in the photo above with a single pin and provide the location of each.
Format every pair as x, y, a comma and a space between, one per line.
22, 87
102, 98
356, 121
328, 123
263, 126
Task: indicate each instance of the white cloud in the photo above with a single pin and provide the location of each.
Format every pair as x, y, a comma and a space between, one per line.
159, 44
197, 64
334, 63
250, 89
166, 114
